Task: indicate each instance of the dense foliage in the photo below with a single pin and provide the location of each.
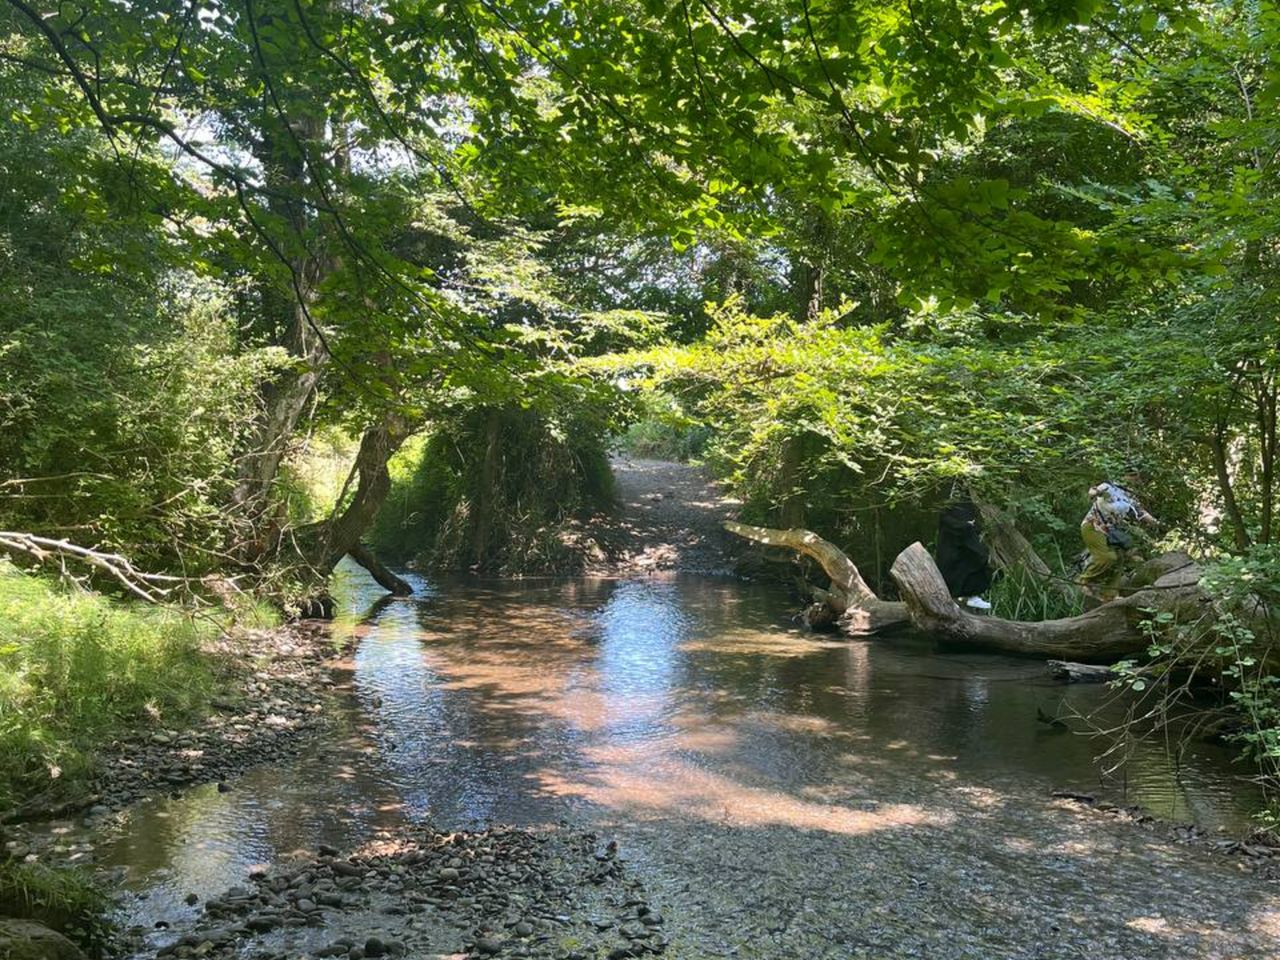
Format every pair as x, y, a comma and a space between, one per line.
863, 256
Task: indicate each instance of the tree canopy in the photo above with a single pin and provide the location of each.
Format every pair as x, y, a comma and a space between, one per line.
999, 244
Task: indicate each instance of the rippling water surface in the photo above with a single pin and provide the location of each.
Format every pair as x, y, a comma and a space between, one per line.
694, 697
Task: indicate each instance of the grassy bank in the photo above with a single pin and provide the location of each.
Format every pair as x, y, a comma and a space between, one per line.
63, 899
77, 669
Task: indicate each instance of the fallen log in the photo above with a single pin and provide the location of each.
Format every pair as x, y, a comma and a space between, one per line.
1069, 672
859, 611
1106, 633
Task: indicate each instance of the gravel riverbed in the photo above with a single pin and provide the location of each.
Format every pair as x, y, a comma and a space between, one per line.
555, 893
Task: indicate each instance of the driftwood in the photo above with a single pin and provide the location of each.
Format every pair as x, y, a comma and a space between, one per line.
151, 587
1106, 633
859, 611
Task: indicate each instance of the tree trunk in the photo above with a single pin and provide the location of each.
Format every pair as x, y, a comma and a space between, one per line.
487, 494
1010, 551
291, 325
1106, 633
860, 611
1218, 446
283, 402
330, 540
385, 578
791, 512
1266, 404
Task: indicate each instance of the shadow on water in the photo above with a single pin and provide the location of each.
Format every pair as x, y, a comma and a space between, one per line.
625, 701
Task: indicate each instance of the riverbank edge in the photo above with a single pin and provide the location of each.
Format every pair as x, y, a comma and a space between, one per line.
274, 704
275, 685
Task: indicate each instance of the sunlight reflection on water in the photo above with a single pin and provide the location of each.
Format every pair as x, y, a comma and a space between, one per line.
690, 696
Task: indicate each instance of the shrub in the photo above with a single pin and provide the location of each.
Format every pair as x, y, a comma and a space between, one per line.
492, 490
1217, 673
664, 431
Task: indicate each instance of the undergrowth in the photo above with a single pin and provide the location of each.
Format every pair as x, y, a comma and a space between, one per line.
64, 899
664, 431
498, 491
77, 668
1022, 594
1215, 670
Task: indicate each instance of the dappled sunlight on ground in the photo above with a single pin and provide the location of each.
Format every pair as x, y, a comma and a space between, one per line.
635, 781
1266, 922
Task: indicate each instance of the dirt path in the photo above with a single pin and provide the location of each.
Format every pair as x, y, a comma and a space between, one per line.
669, 518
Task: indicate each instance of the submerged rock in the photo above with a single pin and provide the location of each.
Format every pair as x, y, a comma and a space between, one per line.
429, 893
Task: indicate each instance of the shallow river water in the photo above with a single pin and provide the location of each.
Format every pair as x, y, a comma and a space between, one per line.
745, 763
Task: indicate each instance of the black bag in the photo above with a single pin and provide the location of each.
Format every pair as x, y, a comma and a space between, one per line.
1120, 538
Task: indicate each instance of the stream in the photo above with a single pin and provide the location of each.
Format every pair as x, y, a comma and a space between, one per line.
736, 756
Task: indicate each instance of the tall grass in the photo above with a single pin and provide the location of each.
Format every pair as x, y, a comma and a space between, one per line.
77, 668
1023, 595
66, 899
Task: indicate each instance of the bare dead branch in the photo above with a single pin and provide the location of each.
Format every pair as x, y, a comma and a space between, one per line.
151, 587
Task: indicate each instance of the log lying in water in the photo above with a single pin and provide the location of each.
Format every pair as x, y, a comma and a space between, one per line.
859, 611
1104, 634
1069, 672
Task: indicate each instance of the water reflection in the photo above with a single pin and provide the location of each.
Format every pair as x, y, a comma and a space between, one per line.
695, 697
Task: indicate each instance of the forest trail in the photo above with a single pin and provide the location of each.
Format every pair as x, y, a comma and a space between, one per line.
669, 518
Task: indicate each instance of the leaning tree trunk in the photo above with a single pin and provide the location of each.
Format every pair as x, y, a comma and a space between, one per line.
860, 611
340, 535
284, 397
259, 510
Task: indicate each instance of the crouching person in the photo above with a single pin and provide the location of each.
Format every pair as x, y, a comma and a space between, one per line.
1109, 531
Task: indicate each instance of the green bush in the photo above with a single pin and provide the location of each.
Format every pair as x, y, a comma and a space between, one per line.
1246, 592
77, 668
1218, 671
492, 490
